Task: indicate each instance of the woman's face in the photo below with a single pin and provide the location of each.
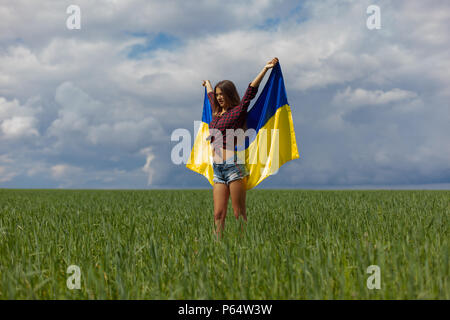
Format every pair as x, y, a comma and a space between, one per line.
220, 97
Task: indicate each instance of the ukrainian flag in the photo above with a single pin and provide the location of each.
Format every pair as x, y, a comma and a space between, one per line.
271, 137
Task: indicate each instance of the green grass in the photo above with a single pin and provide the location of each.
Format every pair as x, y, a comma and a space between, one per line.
159, 244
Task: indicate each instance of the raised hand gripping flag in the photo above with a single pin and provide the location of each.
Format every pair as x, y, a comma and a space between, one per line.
271, 137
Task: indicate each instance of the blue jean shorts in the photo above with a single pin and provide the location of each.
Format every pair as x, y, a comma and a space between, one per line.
229, 171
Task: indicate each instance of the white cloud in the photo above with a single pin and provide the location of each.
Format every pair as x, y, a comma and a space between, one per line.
6, 174
64, 171
95, 123
19, 126
361, 96
17, 121
147, 168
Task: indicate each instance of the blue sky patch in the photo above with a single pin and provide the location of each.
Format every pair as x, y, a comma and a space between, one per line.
154, 41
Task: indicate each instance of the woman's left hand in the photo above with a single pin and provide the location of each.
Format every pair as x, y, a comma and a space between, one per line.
271, 63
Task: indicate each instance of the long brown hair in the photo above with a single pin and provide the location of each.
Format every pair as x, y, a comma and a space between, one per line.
231, 96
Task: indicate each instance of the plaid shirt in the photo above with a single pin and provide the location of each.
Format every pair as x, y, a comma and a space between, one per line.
233, 118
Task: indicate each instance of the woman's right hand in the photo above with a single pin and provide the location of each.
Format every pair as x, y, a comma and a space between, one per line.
271, 63
205, 83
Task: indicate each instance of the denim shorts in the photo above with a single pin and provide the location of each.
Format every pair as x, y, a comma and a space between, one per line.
229, 170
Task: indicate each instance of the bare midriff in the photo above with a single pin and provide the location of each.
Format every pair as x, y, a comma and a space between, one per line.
226, 153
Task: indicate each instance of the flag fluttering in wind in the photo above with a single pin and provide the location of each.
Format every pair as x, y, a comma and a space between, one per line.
270, 131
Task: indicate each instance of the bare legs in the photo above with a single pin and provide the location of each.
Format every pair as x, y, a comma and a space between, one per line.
238, 194
221, 193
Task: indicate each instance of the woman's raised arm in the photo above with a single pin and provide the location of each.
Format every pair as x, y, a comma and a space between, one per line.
255, 83
208, 86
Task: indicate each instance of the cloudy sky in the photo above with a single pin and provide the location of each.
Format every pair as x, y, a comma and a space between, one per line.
96, 107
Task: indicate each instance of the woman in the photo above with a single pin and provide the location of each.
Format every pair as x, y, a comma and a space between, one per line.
229, 112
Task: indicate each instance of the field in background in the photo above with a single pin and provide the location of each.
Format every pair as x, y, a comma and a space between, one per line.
159, 244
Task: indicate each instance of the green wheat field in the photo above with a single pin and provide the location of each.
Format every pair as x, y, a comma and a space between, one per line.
159, 244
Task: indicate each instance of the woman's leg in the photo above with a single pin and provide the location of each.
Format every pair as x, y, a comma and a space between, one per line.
238, 195
221, 193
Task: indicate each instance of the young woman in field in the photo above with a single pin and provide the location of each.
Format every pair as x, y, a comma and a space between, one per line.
229, 112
